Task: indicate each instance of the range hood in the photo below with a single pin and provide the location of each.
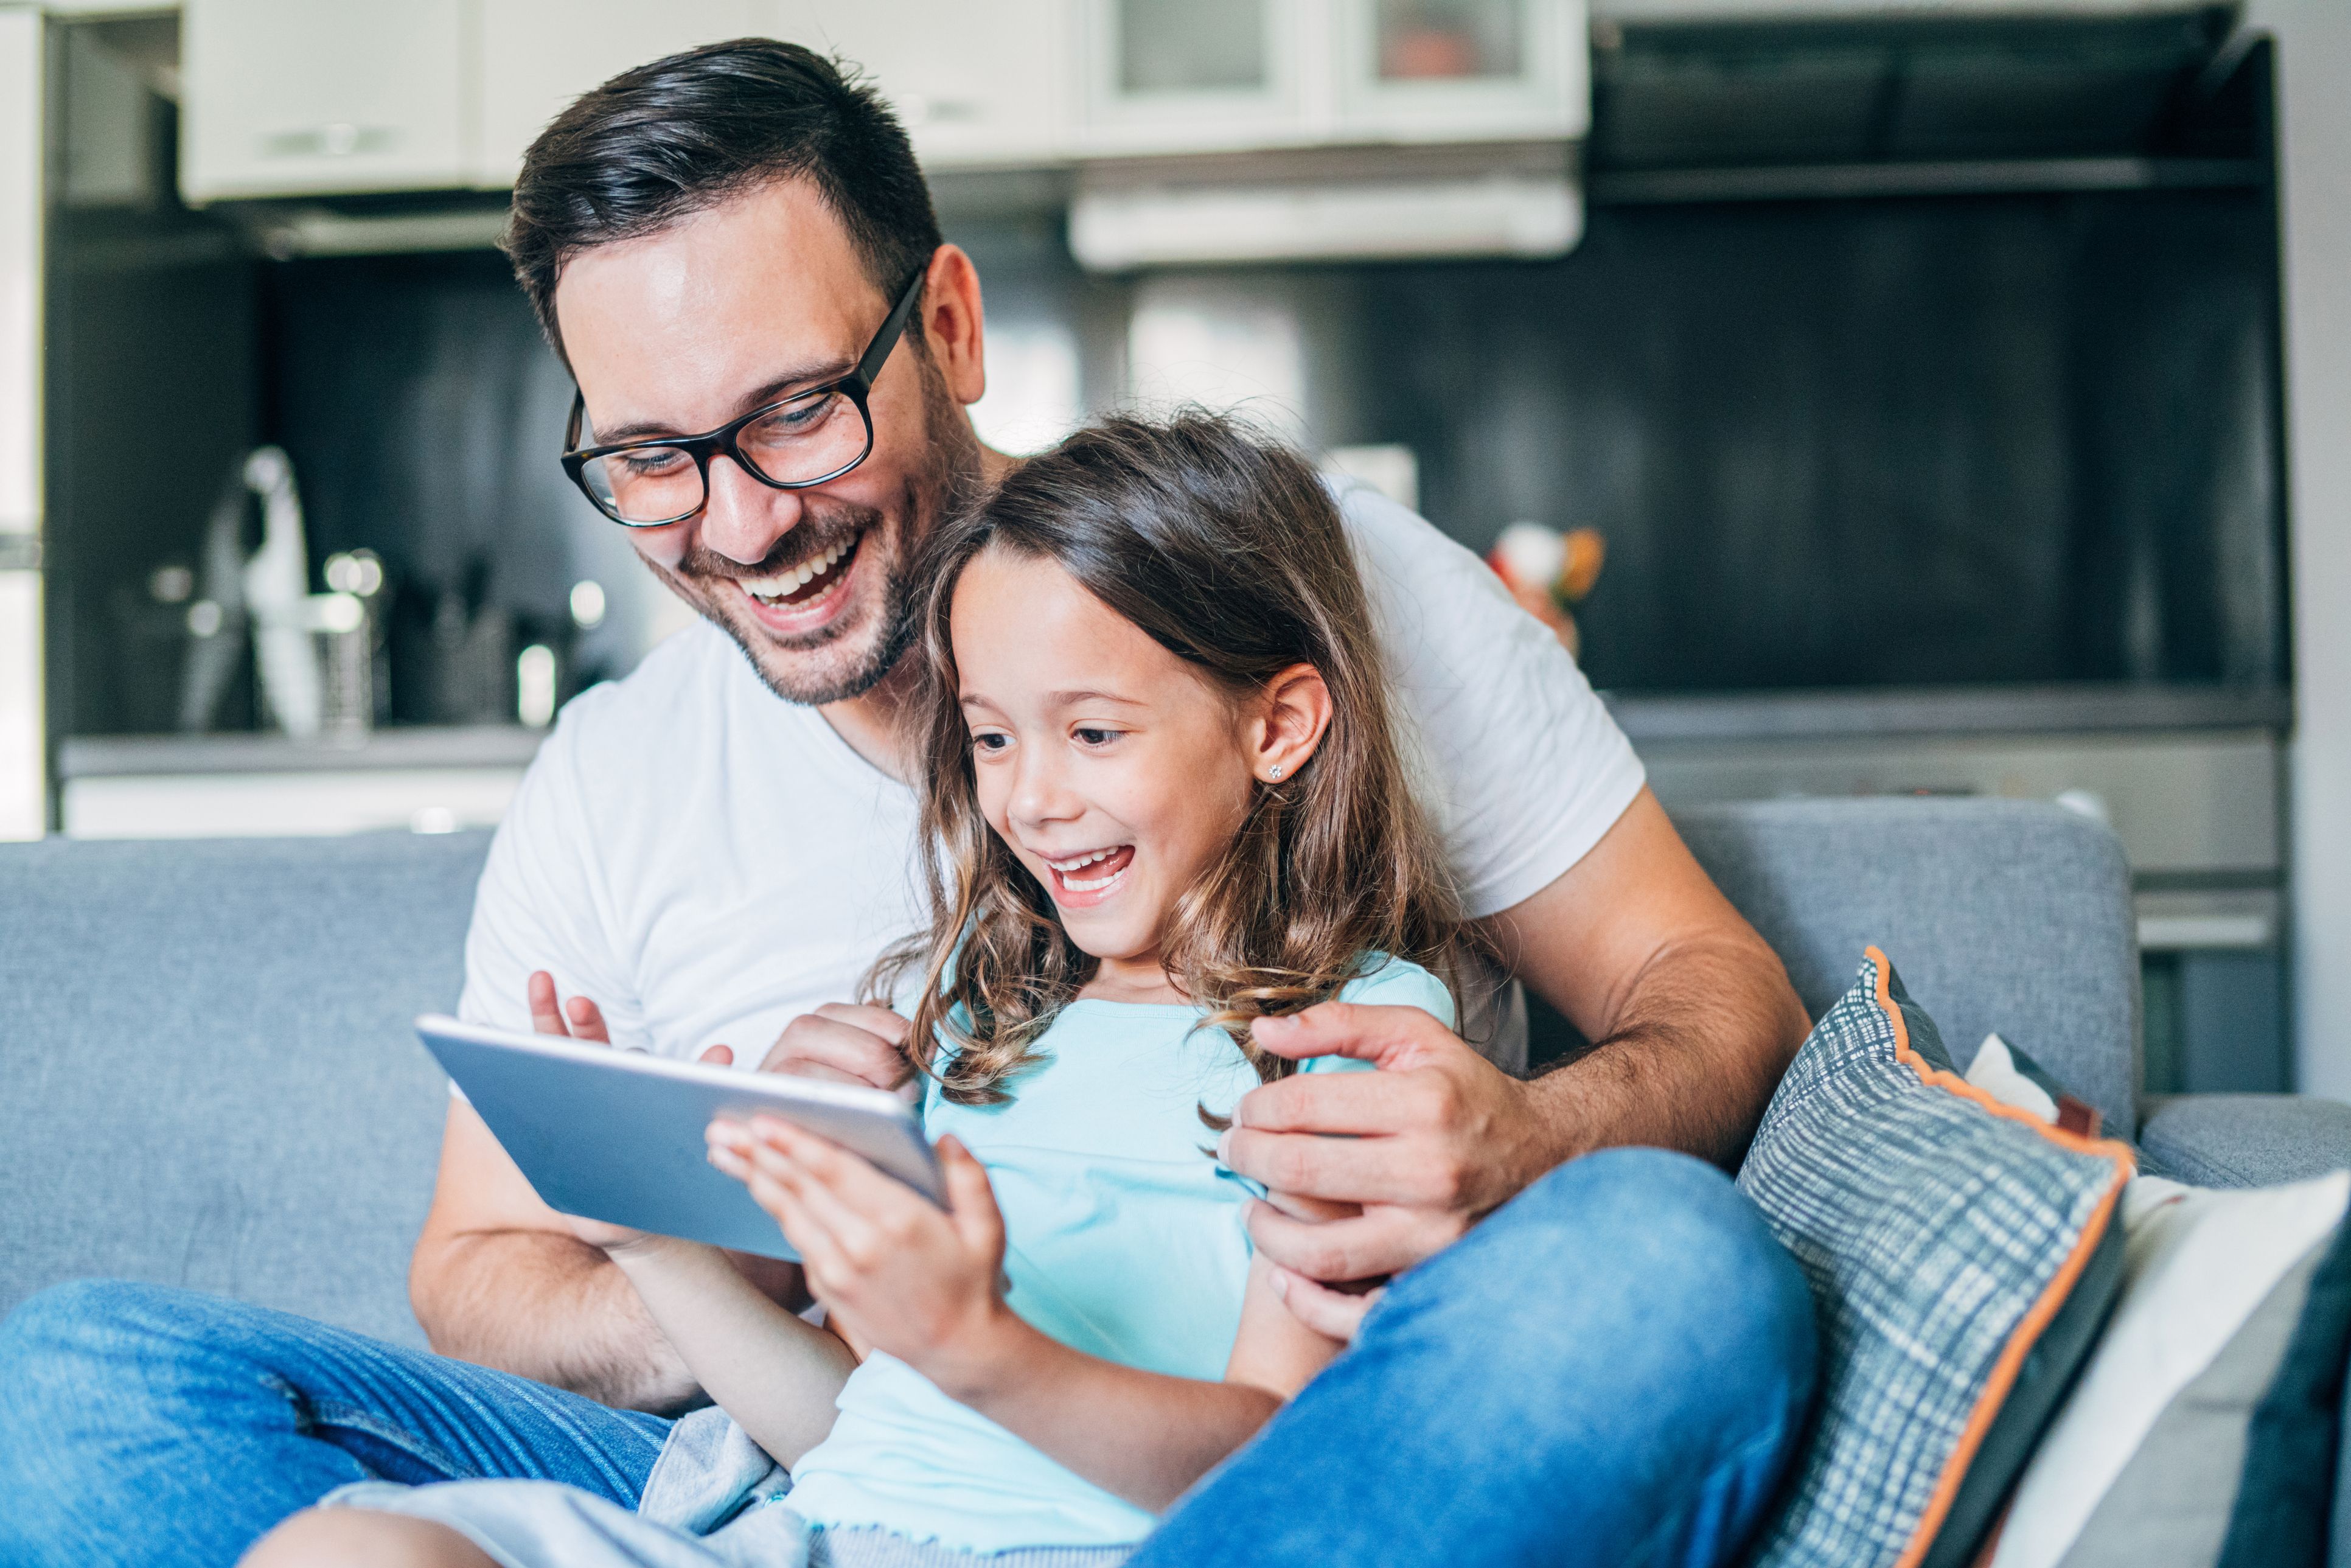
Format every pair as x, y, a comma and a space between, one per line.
1391, 203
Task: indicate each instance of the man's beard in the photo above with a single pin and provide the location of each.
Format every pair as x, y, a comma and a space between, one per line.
946, 479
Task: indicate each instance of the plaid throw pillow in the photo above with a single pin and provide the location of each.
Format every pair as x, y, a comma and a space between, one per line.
1946, 1237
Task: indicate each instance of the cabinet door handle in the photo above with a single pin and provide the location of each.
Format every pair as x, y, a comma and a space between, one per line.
337, 139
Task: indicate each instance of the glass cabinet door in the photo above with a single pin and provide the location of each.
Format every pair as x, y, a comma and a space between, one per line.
1439, 70
1183, 75
1448, 40
1188, 47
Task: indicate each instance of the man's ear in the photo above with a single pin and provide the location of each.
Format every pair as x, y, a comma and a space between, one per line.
1293, 715
952, 324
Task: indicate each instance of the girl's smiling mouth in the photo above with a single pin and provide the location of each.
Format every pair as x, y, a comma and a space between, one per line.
1079, 881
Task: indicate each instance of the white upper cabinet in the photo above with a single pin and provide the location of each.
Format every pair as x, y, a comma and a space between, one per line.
537, 56
290, 97
317, 96
1420, 70
976, 85
1193, 76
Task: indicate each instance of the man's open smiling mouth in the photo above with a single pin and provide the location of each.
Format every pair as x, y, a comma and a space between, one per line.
802, 599
806, 583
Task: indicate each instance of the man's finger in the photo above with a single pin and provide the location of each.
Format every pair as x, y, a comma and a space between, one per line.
1369, 1031
1340, 1170
545, 1012
588, 1020
1334, 1314
1382, 1240
1357, 1103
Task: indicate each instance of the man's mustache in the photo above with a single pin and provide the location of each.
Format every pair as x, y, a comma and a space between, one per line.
809, 539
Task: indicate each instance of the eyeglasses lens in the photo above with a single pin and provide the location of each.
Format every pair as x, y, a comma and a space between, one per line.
807, 439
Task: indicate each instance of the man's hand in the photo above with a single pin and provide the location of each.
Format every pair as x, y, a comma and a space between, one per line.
1415, 1154
581, 1019
847, 1044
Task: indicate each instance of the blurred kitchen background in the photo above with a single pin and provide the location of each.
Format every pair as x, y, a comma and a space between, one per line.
1931, 395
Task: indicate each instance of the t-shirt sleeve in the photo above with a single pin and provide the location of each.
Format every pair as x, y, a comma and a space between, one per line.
1518, 759
1396, 983
542, 903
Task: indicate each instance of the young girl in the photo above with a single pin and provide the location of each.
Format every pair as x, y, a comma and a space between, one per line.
1162, 798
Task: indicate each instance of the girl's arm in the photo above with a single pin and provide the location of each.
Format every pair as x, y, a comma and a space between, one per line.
775, 1373
922, 1285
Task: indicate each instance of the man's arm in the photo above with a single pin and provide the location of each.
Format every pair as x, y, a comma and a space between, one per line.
1692, 1016
1694, 1020
498, 1279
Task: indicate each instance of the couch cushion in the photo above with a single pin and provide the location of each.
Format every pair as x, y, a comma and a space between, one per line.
210, 1076
1961, 1256
2203, 1430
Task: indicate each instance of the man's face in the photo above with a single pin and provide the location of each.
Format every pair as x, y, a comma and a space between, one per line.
681, 331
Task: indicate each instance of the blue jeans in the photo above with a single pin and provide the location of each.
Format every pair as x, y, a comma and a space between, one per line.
1611, 1369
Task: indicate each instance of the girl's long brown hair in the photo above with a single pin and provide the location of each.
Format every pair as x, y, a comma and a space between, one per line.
1227, 550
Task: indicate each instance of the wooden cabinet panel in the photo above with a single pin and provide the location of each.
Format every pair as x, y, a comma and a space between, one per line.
975, 85
286, 97
537, 56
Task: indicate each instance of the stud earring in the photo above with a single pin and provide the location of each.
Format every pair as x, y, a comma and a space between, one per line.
1275, 773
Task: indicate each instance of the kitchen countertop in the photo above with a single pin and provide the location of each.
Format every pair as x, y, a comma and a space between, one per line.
498, 746
1648, 720
1947, 711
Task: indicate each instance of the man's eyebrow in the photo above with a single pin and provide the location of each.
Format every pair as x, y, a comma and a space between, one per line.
758, 397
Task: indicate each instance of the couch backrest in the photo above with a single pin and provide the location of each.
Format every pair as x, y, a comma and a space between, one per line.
2007, 915
207, 1075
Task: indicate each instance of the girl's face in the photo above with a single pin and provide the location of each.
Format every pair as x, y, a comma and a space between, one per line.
1111, 768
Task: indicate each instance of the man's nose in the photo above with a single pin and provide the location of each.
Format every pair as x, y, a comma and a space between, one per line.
742, 520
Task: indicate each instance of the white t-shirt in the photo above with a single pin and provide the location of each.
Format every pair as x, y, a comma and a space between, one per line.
709, 862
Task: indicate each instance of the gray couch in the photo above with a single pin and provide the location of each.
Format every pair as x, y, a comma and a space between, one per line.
210, 1079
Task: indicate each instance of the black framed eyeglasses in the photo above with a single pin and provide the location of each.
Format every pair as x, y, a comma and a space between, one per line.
795, 442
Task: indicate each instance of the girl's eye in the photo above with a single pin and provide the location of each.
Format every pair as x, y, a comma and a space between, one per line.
1089, 735
988, 742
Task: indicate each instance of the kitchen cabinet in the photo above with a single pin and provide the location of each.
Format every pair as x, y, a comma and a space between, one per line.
293, 97
1197, 76
976, 86
537, 56
24, 796
1450, 70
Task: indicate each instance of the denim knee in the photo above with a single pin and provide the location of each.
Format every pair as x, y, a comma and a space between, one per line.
1656, 1251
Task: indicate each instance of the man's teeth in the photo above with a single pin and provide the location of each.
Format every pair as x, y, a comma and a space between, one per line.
772, 588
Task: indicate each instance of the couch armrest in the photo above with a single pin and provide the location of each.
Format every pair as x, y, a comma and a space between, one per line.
2245, 1140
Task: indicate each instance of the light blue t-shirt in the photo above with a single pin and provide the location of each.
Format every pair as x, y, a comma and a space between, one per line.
1123, 1240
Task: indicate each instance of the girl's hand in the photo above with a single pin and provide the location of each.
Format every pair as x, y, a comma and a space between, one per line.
897, 1272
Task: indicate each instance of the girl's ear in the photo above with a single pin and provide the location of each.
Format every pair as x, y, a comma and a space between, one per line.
1293, 713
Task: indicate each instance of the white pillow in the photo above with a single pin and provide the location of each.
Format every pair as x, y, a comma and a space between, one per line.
2200, 1263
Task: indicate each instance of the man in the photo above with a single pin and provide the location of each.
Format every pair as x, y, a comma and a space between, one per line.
734, 248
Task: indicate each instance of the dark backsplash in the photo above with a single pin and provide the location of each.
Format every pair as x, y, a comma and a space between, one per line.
2027, 438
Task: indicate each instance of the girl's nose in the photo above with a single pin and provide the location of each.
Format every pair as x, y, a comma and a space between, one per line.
1040, 793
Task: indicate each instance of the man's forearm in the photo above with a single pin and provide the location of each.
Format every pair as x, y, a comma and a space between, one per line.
1701, 1040
548, 1307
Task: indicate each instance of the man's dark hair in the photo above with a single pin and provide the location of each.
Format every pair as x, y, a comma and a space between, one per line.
660, 143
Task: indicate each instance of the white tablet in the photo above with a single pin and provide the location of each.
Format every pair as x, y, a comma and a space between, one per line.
616, 1135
